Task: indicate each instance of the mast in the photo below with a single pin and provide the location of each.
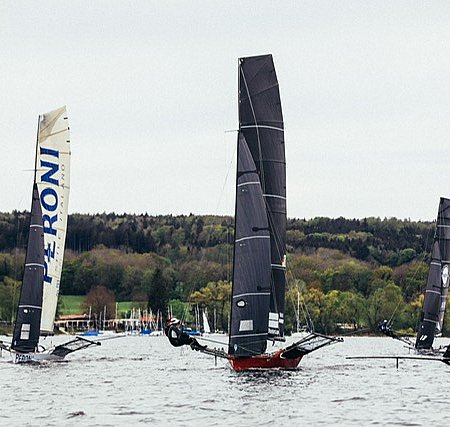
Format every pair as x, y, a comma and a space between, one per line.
261, 123
28, 319
434, 303
53, 181
36, 150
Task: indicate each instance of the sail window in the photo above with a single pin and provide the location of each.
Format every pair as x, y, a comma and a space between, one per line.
246, 325
445, 276
273, 320
25, 331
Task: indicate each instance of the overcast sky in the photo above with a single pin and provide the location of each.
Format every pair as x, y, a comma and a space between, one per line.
151, 89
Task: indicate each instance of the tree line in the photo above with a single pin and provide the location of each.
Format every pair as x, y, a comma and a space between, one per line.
341, 271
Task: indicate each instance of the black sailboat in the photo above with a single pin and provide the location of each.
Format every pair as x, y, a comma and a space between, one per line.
436, 293
259, 260
435, 298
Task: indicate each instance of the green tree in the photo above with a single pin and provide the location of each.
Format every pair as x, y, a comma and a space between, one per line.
384, 303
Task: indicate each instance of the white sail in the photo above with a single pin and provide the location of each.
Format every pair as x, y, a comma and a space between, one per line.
53, 180
206, 327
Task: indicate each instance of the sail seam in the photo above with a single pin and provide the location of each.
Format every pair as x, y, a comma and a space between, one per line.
275, 196
248, 183
251, 237
248, 335
262, 126
251, 294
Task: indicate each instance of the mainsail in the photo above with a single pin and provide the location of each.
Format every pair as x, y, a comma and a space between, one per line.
251, 268
261, 123
53, 180
28, 319
438, 280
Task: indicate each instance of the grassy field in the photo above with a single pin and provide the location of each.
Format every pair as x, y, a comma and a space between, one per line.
73, 304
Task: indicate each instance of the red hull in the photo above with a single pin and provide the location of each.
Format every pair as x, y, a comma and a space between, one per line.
267, 361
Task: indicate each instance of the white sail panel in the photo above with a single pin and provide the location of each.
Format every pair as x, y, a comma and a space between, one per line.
206, 327
53, 180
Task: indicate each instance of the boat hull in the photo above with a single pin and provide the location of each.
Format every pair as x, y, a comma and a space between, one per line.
264, 361
18, 357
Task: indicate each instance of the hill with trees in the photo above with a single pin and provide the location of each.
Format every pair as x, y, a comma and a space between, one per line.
344, 271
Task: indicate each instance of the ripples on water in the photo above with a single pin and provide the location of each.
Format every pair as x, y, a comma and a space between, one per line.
143, 380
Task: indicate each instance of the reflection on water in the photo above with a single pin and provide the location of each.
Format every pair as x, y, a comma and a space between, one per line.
143, 380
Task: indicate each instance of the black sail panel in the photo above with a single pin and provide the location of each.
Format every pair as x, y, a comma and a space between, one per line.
261, 122
251, 268
443, 237
28, 320
432, 301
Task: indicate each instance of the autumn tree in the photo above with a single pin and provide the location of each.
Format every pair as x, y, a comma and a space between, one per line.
98, 298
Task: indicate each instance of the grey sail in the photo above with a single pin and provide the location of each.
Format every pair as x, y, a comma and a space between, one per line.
433, 310
28, 319
443, 236
261, 122
251, 266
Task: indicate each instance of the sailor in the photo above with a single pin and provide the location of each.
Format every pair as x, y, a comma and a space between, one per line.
386, 330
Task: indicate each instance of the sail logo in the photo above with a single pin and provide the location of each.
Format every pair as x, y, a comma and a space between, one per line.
445, 276
50, 168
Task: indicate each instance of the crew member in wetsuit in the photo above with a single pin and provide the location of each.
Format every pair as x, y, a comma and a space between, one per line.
386, 330
177, 337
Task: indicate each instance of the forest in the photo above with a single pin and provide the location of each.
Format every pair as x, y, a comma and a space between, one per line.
343, 273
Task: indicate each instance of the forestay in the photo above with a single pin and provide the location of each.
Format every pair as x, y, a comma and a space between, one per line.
53, 180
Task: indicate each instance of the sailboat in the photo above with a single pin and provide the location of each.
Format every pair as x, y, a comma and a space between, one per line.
45, 250
259, 259
435, 298
436, 293
206, 327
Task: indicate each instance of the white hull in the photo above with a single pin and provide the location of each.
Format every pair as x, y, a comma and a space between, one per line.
35, 357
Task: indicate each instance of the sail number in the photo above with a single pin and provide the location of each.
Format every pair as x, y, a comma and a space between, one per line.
20, 358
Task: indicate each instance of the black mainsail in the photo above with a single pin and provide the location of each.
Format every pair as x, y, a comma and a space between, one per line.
438, 280
28, 319
251, 268
259, 258
261, 123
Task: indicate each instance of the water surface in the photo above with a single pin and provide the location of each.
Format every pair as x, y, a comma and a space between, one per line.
144, 380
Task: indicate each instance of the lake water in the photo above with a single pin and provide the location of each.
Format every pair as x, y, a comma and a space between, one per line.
144, 380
